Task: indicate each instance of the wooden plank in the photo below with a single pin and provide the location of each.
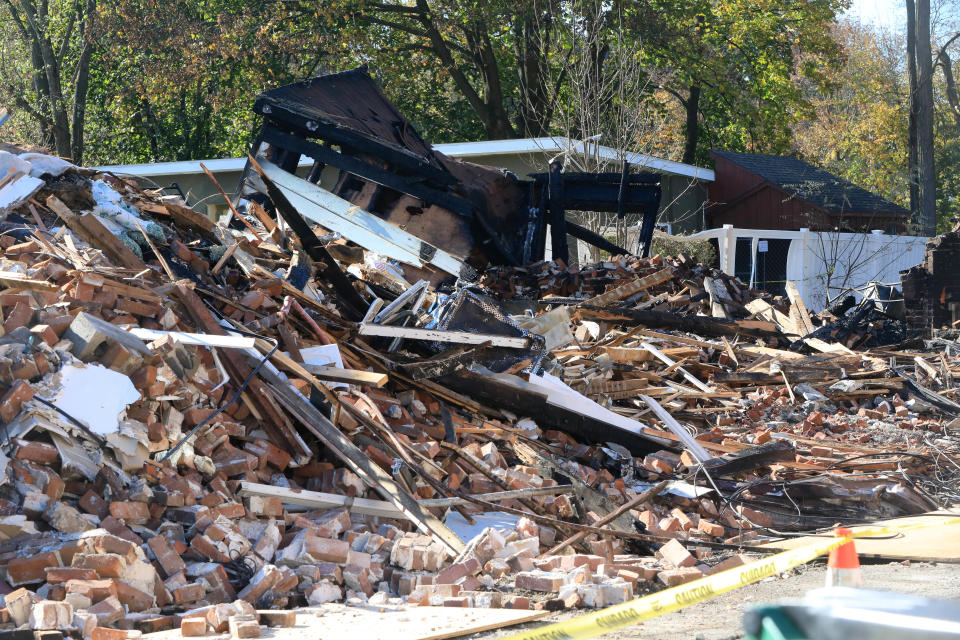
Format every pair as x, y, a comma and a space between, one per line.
631, 288
798, 310
320, 500
339, 622
92, 231
350, 376
439, 335
20, 281
361, 464
933, 544
702, 325
768, 312
381, 508
827, 347
692, 379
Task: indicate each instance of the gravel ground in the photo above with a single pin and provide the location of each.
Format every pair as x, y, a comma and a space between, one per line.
720, 618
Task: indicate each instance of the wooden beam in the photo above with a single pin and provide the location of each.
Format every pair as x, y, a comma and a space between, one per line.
360, 463
349, 376
695, 324
382, 508
92, 231
439, 335
631, 288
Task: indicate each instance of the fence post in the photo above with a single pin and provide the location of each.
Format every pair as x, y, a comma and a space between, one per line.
728, 252
804, 283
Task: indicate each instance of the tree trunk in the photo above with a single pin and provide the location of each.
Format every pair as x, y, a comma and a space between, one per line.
534, 116
951, 85
692, 106
928, 177
495, 125
500, 127
38, 19
912, 160
82, 82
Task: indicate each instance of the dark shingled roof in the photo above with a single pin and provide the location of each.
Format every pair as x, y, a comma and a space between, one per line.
810, 183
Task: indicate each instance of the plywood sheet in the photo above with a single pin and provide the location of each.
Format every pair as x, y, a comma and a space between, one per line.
340, 622
931, 544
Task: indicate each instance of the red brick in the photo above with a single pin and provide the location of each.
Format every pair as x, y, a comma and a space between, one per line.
711, 528
133, 598
676, 577
106, 633
10, 403
96, 590
193, 627
31, 569
108, 611
130, 512
91, 502
537, 581
327, 550
188, 593
20, 316
676, 555
169, 560
107, 565
39, 452
57, 575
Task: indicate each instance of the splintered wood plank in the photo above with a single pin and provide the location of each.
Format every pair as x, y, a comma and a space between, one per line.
631, 288
20, 281
798, 310
335, 621
92, 231
764, 310
350, 376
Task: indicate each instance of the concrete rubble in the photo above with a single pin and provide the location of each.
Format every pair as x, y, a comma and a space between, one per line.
179, 454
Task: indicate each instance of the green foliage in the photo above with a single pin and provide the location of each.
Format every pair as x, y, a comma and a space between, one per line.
175, 79
702, 250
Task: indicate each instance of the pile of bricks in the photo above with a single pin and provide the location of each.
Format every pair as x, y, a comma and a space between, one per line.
116, 525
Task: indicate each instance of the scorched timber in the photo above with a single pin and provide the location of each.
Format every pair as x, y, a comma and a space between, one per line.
701, 325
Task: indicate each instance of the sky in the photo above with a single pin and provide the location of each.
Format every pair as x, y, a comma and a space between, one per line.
883, 13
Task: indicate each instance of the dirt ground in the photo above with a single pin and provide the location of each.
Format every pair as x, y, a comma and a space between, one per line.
720, 618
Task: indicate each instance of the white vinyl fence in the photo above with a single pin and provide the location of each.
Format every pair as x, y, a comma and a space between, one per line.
821, 264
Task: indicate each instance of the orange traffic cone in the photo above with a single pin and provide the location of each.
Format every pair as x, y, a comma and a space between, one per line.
843, 567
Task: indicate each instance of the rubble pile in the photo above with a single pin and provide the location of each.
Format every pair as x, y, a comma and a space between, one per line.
200, 433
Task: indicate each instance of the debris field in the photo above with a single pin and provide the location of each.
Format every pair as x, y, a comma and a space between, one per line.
209, 425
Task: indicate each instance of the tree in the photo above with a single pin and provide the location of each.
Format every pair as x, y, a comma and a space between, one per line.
926, 171
856, 126
180, 84
735, 66
55, 40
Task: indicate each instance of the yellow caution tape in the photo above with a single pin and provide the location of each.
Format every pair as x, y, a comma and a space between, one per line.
675, 598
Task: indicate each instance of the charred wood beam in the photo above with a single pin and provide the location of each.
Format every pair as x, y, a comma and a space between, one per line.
354, 303
701, 325
368, 171
286, 113
752, 458
597, 240
558, 221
